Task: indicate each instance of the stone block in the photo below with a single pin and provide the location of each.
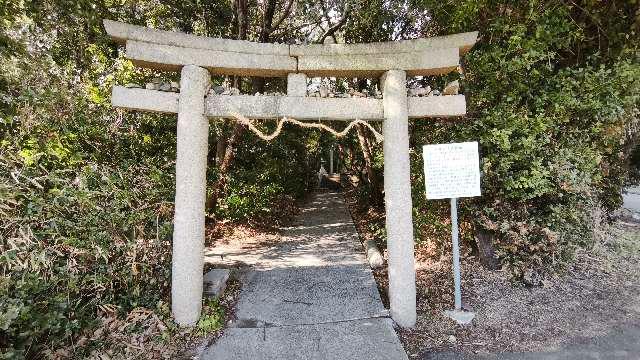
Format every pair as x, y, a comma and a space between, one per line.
173, 58
273, 107
252, 107
313, 108
437, 106
122, 32
462, 41
427, 62
297, 84
370, 339
142, 99
215, 281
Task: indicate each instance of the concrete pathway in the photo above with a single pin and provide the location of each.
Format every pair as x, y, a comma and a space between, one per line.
310, 295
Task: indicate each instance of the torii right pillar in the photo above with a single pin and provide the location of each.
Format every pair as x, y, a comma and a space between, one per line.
397, 196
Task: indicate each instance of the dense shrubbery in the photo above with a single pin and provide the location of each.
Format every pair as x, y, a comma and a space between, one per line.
268, 176
553, 92
86, 191
86, 206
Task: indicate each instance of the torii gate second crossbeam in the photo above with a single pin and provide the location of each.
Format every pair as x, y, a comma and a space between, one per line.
198, 57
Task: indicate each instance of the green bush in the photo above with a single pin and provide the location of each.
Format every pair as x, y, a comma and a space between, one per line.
267, 177
86, 194
86, 208
555, 111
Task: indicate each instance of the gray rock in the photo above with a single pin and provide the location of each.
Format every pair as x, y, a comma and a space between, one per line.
151, 86
452, 88
434, 93
215, 281
218, 89
374, 257
132, 86
324, 91
419, 91
165, 87
175, 84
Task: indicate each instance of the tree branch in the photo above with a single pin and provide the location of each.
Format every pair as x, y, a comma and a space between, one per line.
332, 29
267, 20
285, 14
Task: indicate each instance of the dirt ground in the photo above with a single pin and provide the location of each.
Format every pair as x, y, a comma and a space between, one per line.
598, 293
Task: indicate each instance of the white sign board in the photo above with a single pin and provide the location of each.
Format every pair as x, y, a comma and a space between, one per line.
451, 170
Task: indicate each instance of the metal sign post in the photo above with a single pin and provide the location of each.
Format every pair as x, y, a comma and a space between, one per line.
456, 254
453, 171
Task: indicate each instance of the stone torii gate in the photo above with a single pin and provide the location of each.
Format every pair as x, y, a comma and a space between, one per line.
198, 57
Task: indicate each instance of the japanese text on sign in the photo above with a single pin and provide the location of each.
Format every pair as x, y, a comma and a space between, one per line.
451, 170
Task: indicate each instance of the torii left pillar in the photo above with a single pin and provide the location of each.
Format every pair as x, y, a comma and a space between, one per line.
191, 168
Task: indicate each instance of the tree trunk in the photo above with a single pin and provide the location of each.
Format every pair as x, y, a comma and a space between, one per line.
221, 146
375, 195
341, 158
257, 85
224, 166
486, 251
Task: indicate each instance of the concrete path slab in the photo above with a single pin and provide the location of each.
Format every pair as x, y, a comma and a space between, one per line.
310, 295
372, 339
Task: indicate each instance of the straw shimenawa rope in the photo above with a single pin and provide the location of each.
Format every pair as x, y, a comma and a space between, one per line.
243, 120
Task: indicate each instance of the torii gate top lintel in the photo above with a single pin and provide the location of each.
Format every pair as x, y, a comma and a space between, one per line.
167, 50
198, 57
